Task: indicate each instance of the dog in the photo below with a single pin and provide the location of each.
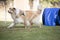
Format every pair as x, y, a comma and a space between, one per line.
28, 18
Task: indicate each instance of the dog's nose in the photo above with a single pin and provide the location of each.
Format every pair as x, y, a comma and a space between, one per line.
8, 11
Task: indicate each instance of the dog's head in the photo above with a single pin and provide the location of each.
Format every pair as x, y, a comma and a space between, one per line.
15, 11
11, 10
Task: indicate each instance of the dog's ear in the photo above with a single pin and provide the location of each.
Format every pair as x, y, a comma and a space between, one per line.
14, 8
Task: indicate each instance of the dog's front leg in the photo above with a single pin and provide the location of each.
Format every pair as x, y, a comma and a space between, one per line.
25, 23
11, 25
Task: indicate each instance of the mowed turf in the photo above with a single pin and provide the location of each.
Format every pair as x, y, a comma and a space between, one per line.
19, 33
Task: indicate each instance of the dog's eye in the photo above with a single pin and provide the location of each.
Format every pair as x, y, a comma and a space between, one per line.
14, 8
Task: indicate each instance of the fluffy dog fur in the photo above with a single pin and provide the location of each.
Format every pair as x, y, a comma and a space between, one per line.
26, 17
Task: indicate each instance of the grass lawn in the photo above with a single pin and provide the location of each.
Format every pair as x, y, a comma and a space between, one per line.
19, 33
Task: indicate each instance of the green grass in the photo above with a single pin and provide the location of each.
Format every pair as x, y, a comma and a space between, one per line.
19, 33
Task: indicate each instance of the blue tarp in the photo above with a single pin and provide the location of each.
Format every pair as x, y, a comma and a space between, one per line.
51, 16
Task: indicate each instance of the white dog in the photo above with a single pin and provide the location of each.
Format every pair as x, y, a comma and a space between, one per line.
27, 18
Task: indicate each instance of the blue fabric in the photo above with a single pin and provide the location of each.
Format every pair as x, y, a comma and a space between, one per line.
51, 16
